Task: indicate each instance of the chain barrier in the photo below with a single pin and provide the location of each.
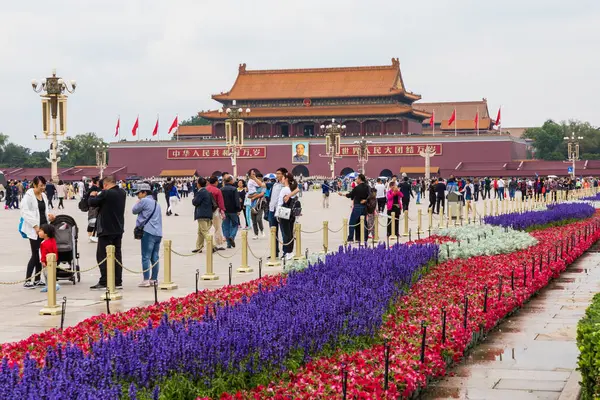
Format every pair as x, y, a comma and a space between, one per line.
335, 231
58, 267
137, 272
311, 232
183, 255
258, 258
218, 253
288, 243
21, 281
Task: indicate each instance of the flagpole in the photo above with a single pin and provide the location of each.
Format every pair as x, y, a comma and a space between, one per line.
157, 128
177, 128
500, 126
433, 120
477, 121
455, 122
119, 124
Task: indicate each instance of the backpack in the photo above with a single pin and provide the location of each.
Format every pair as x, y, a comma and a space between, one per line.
215, 206
83, 203
371, 203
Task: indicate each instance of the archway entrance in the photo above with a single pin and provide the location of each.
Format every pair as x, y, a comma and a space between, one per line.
300, 170
386, 172
346, 171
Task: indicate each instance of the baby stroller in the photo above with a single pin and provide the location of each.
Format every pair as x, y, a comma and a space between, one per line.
66, 243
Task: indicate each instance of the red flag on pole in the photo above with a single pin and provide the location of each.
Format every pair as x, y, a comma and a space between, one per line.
118, 129
498, 121
174, 125
432, 119
477, 120
136, 126
155, 131
452, 118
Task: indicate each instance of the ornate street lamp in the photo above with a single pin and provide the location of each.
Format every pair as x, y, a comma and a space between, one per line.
332, 134
234, 132
54, 113
573, 149
363, 153
101, 158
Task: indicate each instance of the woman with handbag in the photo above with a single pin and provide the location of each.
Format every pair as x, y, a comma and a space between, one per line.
34, 213
148, 229
285, 216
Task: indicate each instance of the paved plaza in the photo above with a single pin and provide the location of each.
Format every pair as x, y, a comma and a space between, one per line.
19, 314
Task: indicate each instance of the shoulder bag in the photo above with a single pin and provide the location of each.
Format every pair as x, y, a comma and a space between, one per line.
138, 231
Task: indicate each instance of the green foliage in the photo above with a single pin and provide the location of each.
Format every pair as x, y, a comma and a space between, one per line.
78, 150
588, 342
549, 143
195, 120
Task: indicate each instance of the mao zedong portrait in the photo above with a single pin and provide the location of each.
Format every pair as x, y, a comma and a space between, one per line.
301, 155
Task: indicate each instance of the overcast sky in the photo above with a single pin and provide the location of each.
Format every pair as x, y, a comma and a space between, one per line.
537, 58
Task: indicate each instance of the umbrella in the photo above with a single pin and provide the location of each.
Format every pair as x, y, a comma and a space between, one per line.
352, 175
270, 176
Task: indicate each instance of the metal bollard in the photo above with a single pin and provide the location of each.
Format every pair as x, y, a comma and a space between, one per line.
405, 233
485, 208
376, 227
362, 230
51, 308
430, 212
167, 283
298, 243
273, 261
111, 292
449, 214
441, 218
419, 221
210, 275
345, 231
393, 236
325, 237
466, 217
244, 268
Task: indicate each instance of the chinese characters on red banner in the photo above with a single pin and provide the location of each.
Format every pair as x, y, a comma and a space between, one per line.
391, 150
189, 153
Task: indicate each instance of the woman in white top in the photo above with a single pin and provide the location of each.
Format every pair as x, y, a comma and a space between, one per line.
34, 213
61, 192
289, 185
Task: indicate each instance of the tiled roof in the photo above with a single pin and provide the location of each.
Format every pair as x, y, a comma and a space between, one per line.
193, 130
418, 170
178, 172
465, 110
317, 83
325, 111
468, 124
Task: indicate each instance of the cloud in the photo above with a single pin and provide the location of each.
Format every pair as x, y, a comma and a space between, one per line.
146, 57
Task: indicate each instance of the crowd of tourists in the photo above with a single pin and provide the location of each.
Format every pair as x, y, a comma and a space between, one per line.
223, 205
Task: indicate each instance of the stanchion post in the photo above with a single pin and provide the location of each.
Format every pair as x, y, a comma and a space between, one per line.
244, 268
430, 215
51, 308
167, 283
362, 230
210, 275
273, 261
111, 291
405, 233
466, 217
393, 236
485, 208
298, 244
345, 231
325, 237
419, 221
376, 227
441, 219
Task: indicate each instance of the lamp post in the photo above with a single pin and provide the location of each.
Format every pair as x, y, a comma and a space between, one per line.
101, 158
427, 154
234, 132
332, 134
363, 153
573, 149
54, 113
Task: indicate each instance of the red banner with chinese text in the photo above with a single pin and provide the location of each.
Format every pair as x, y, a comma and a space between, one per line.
190, 153
379, 150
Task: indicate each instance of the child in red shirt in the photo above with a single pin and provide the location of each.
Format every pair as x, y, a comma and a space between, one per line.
47, 233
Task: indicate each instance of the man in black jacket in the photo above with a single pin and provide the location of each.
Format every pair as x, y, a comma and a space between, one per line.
109, 227
167, 190
203, 213
231, 198
50, 192
407, 192
440, 190
359, 196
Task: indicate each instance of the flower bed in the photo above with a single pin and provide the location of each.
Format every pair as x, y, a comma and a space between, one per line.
478, 240
337, 304
473, 295
90, 330
556, 214
588, 342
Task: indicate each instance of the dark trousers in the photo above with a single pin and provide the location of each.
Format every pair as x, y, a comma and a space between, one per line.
60, 203
274, 223
476, 195
440, 201
34, 262
487, 193
398, 212
168, 202
50, 202
287, 234
405, 203
432, 200
381, 203
354, 231
104, 241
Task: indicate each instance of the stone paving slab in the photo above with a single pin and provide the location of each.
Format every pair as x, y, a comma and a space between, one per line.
533, 353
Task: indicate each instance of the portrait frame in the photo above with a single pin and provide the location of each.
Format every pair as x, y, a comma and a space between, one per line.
300, 152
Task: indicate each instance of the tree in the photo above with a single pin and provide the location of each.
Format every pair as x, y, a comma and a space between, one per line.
80, 150
196, 120
548, 140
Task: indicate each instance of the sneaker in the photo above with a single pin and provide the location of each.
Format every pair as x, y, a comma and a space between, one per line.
93, 239
232, 242
119, 286
40, 283
144, 284
289, 256
197, 251
98, 287
45, 290
255, 237
262, 234
177, 215
28, 285
153, 282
